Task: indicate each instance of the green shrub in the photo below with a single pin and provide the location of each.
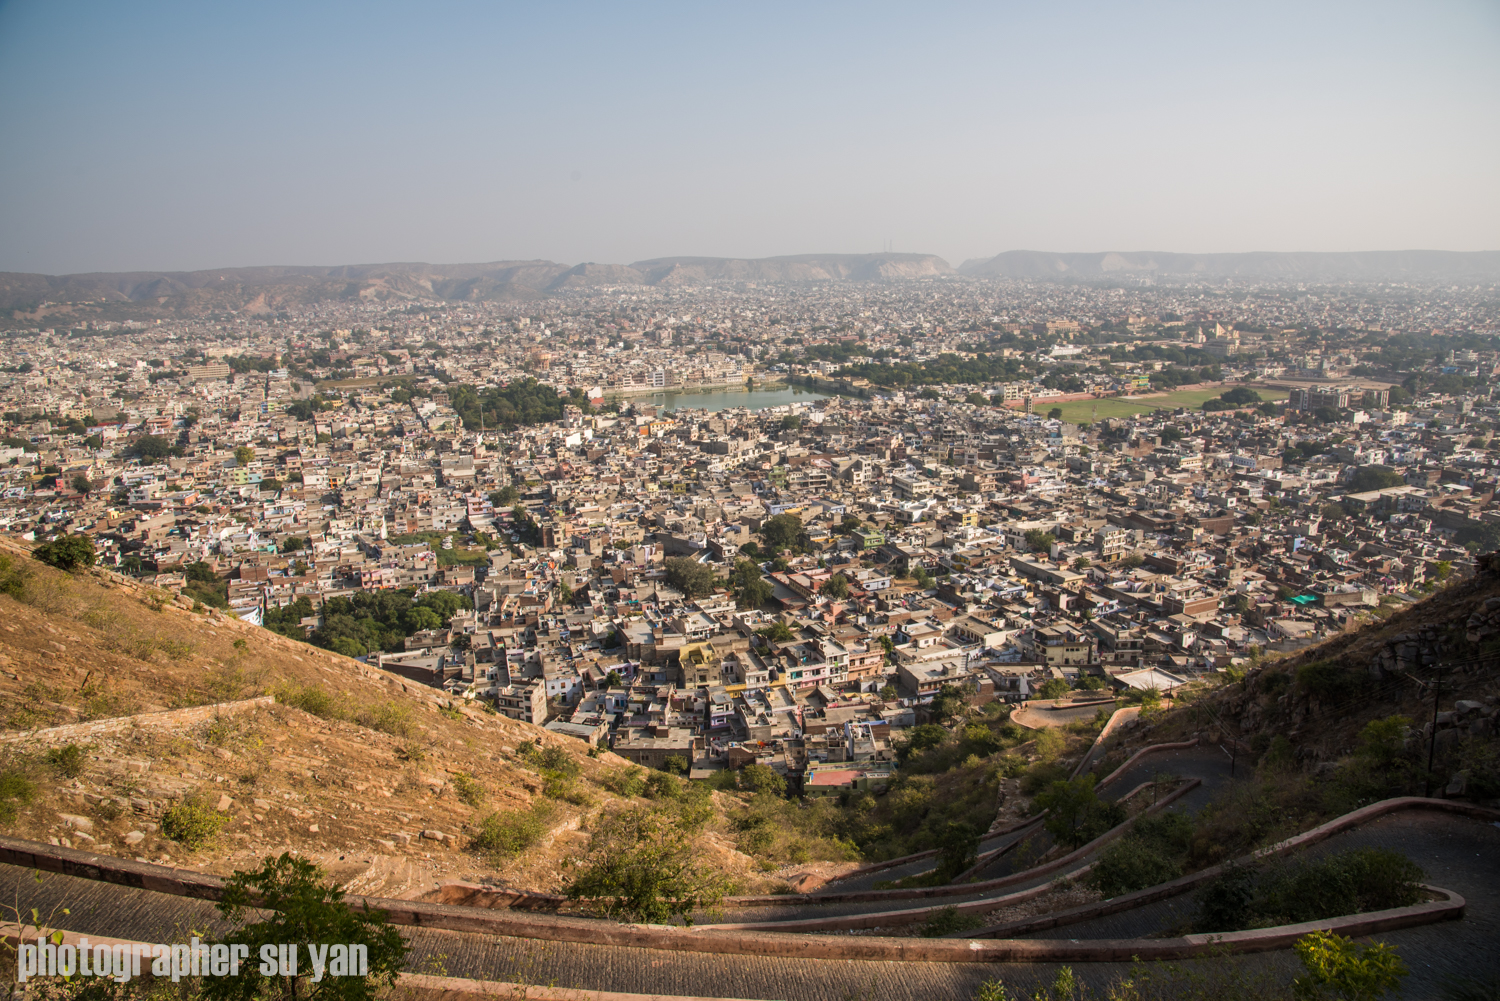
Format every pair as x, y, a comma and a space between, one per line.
1151, 853
1075, 814
1049, 744
509, 832
388, 716
1350, 882
1339, 969
643, 866
1327, 681
70, 553
1226, 903
67, 760
1041, 775
310, 699
192, 824
14, 578
469, 791
958, 850
295, 902
948, 921
660, 785
15, 789
548, 758
627, 780
1131, 864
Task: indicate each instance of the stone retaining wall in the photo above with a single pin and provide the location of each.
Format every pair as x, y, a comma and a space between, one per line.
161, 879
1183, 884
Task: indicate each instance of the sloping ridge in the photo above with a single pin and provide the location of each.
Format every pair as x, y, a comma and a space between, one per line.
1360, 265
798, 268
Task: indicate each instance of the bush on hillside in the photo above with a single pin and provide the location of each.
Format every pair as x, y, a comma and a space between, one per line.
1350, 882
70, 553
505, 833
192, 823
1327, 681
1152, 853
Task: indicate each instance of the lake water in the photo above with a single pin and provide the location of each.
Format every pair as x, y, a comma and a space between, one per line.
755, 399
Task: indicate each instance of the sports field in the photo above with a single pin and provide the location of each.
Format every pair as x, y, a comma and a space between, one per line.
1083, 410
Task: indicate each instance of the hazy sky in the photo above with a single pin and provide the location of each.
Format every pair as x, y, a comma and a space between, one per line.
157, 135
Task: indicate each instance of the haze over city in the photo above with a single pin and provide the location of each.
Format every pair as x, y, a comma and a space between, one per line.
170, 136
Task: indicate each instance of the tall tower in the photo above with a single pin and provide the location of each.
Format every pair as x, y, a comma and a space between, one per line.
1028, 405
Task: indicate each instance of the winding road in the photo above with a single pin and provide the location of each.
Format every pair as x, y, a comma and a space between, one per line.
1456, 852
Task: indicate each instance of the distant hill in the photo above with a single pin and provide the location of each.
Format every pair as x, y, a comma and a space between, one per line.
1373, 265
266, 289
801, 268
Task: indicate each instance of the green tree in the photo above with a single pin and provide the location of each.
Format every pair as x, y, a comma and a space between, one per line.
776, 632
1039, 541
836, 587
977, 399
1055, 414
1332, 512
1374, 478
643, 866
1082, 563
781, 531
504, 497
921, 576
692, 578
751, 590
244, 455
82, 484
70, 553
1339, 969
1053, 688
1075, 814
958, 850
152, 447
791, 422
299, 905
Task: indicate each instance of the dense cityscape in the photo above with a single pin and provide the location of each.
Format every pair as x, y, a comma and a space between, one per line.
750, 523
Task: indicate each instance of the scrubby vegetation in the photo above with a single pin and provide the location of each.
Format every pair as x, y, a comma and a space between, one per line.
1152, 852
192, 823
1351, 882
506, 833
385, 715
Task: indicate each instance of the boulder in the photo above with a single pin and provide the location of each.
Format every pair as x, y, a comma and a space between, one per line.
76, 822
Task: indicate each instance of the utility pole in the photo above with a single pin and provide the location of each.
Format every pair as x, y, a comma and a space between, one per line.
1437, 694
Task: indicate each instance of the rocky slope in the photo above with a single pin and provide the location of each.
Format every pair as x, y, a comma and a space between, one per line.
384, 782
1320, 700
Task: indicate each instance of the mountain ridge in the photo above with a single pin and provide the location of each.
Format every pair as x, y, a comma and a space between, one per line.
1368, 265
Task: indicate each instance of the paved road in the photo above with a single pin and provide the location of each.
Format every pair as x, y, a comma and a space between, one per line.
1462, 855
1456, 853
105, 909
1040, 714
